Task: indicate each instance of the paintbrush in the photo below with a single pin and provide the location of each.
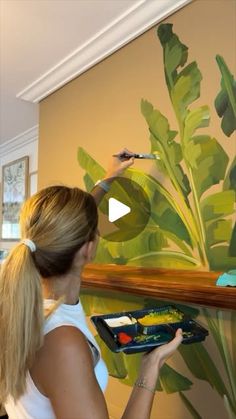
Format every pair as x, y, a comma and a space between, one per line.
126, 155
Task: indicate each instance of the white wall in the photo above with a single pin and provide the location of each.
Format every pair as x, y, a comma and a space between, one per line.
25, 144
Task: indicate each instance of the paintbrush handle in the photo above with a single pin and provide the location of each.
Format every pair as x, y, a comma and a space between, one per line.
137, 156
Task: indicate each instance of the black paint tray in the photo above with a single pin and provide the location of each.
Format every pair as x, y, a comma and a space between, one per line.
144, 337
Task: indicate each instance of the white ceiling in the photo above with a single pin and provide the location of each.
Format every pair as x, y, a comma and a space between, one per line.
42, 43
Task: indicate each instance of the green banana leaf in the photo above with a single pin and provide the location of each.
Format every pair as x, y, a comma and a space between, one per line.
105, 302
174, 260
220, 258
189, 406
90, 165
175, 53
218, 231
230, 178
89, 184
172, 381
162, 141
146, 241
185, 90
165, 211
218, 205
225, 102
114, 361
169, 380
183, 86
232, 244
196, 118
201, 366
233, 337
207, 160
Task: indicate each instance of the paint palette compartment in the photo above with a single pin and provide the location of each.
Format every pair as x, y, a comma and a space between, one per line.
142, 337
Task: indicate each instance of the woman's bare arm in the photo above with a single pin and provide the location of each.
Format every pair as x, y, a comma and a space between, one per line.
65, 373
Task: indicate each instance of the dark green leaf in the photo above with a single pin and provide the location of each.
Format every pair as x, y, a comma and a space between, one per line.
232, 245
172, 381
225, 102
208, 161
230, 178
233, 337
175, 53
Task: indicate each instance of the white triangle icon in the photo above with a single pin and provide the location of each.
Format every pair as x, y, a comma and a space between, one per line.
116, 209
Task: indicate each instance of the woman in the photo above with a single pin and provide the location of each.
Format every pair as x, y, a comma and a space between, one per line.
53, 368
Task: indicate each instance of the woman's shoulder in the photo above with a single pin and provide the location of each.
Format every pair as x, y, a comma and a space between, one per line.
65, 350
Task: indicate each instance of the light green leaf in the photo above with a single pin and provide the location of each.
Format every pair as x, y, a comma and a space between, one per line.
89, 184
149, 240
90, 165
189, 406
218, 231
201, 366
103, 302
218, 205
208, 161
225, 102
162, 142
186, 90
172, 381
162, 259
197, 118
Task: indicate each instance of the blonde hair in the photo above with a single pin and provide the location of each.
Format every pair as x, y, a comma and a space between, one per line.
59, 220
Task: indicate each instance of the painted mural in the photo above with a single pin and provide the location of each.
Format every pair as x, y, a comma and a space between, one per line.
218, 372
192, 226
192, 219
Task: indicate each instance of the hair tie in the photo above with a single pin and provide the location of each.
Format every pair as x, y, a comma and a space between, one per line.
30, 244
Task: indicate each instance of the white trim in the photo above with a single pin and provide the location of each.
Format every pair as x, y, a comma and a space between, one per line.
19, 141
135, 21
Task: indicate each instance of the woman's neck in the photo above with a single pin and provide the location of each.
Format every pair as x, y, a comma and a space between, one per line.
67, 286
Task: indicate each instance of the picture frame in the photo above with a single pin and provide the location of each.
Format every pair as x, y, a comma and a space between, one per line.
15, 189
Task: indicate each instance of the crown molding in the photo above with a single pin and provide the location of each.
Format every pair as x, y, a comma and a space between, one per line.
135, 21
19, 141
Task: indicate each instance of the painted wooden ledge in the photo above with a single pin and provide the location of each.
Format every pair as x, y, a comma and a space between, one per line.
172, 285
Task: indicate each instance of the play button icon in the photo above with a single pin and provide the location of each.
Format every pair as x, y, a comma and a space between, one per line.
116, 209
124, 211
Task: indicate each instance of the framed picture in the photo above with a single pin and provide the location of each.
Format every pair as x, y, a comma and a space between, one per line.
14, 192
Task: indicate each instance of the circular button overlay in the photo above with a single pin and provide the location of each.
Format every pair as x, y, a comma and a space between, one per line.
124, 211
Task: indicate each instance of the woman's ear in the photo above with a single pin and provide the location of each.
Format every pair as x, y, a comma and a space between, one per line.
87, 252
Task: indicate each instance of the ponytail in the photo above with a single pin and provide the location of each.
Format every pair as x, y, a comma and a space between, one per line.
21, 320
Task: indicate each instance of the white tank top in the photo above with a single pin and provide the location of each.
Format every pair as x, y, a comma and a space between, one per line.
33, 404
